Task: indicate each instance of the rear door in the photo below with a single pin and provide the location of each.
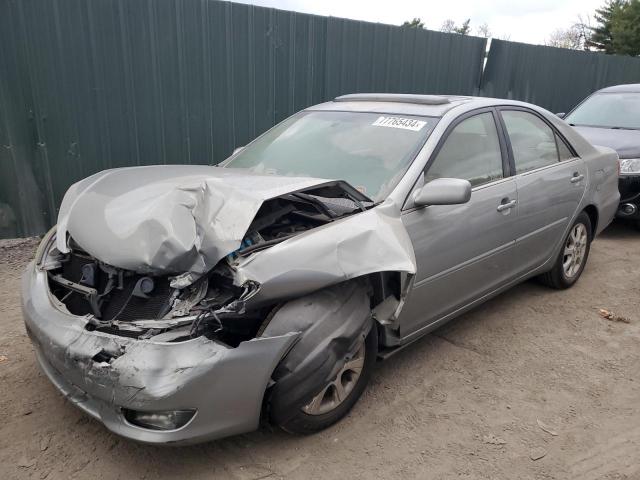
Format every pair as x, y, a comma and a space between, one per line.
551, 182
462, 251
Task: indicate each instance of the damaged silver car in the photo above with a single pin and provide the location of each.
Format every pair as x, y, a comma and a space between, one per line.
179, 304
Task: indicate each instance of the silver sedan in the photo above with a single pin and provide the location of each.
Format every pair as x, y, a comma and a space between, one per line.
179, 304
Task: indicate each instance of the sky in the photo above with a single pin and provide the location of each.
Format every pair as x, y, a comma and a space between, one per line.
529, 21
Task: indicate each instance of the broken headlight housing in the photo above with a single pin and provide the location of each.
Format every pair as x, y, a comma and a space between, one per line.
629, 166
46, 245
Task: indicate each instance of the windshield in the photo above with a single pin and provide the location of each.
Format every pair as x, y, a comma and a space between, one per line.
608, 110
371, 151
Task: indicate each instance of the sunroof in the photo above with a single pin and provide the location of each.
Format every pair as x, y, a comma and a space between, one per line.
393, 97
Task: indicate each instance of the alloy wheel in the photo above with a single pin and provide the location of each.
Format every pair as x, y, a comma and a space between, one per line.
336, 392
574, 250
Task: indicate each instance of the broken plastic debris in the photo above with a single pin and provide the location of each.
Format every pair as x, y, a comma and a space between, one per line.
537, 453
547, 428
609, 315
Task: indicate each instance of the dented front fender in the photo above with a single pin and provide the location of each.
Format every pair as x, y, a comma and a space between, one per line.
369, 242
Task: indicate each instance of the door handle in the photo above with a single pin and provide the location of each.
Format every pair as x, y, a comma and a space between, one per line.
506, 206
577, 177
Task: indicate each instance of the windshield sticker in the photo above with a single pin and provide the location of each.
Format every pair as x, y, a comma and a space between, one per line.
398, 122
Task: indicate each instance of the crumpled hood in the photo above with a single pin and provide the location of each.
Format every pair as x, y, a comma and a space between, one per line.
167, 218
625, 142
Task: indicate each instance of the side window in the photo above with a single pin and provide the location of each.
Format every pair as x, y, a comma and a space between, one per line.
533, 142
563, 150
470, 152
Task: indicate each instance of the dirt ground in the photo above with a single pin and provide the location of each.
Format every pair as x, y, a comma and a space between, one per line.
533, 373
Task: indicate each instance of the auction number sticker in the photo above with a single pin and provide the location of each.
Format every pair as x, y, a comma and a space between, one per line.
399, 122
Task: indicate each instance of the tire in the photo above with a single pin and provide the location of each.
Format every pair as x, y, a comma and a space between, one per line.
304, 423
560, 276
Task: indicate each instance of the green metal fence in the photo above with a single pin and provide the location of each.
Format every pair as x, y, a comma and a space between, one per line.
87, 85
93, 84
554, 78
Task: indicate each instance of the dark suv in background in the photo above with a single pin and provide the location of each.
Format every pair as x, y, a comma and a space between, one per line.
611, 117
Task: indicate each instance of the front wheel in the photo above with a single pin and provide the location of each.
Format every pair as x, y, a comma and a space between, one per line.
573, 255
336, 398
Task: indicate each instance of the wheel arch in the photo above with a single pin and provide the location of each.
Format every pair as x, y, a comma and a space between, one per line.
593, 214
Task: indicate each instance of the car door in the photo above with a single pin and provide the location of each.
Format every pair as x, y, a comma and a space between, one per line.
551, 182
462, 251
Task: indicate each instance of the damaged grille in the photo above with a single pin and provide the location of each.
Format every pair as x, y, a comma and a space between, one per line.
124, 306
117, 300
120, 303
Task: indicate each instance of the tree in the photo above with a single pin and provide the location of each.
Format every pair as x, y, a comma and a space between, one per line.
449, 26
415, 23
571, 37
583, 26
483, 30
463, 29
625, 29
602, 33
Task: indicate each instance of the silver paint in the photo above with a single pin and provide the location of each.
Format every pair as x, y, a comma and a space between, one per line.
183, 219
167, 218
225, 385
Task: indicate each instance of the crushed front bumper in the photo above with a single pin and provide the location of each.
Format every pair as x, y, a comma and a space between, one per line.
224, 385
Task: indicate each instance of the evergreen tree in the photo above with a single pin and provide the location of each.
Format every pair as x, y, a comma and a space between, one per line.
415, 23
602, 35
463, 29
625, 29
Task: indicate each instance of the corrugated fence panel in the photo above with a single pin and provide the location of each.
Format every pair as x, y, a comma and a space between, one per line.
368, 57
554, 78
22, 203
87, 85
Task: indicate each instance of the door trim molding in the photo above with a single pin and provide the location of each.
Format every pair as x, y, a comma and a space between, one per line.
465, 264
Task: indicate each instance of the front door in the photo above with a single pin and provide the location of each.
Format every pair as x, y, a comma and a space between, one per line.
462, 251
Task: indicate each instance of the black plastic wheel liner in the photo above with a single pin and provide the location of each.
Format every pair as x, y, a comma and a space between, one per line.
333, 321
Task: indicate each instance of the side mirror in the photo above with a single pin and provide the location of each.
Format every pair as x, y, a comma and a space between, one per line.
561, 115
239, 149
443, 191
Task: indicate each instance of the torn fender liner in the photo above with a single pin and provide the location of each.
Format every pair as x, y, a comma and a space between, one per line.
167, 218
372, 241
332, 323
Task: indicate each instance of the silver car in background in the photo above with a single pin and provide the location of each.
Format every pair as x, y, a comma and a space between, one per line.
183, 303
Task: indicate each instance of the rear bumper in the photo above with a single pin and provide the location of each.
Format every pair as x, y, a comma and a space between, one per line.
224, 385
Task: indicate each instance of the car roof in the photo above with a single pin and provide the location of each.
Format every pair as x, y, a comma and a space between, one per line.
628, 88
409, 104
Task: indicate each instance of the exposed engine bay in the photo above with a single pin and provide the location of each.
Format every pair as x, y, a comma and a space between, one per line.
150, 306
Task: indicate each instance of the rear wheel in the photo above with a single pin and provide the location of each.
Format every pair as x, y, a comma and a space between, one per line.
334, 400
573, 255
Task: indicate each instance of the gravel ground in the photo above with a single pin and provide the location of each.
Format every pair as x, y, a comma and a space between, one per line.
533, 373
